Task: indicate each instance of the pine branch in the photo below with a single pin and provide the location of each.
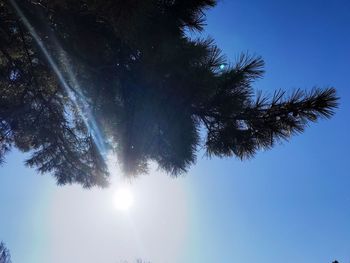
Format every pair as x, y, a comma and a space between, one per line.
265, 123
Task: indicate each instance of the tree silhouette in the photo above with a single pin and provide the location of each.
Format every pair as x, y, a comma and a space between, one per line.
4, 254
76, 75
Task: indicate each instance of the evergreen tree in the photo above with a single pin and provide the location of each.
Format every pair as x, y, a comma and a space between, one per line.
4, 254
152, 90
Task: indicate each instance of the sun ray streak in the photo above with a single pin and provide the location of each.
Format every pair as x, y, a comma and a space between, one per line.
74, 93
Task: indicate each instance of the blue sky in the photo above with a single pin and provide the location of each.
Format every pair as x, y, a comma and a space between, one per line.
290, 204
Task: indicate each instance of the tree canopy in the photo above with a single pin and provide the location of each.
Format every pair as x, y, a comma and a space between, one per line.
4, 254
79, 78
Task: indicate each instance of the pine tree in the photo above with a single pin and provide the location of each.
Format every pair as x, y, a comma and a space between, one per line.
4, 254
155, 93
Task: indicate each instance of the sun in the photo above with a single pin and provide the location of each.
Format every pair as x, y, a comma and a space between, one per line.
123, 199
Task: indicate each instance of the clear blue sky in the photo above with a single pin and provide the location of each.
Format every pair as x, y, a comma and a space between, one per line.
290, 204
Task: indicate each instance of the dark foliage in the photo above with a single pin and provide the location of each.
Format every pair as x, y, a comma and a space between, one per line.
149, 86
4, 254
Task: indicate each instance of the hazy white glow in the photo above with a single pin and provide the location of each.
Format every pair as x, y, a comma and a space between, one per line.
156, 227
123, 199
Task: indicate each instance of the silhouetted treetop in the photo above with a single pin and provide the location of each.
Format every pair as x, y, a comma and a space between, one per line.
5, 256
123, 76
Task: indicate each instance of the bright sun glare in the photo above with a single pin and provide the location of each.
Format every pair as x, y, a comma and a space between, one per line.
123, 199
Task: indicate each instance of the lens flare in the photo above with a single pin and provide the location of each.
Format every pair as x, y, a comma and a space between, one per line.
74, 93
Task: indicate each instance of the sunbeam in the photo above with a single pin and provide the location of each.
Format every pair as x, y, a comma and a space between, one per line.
74, 93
